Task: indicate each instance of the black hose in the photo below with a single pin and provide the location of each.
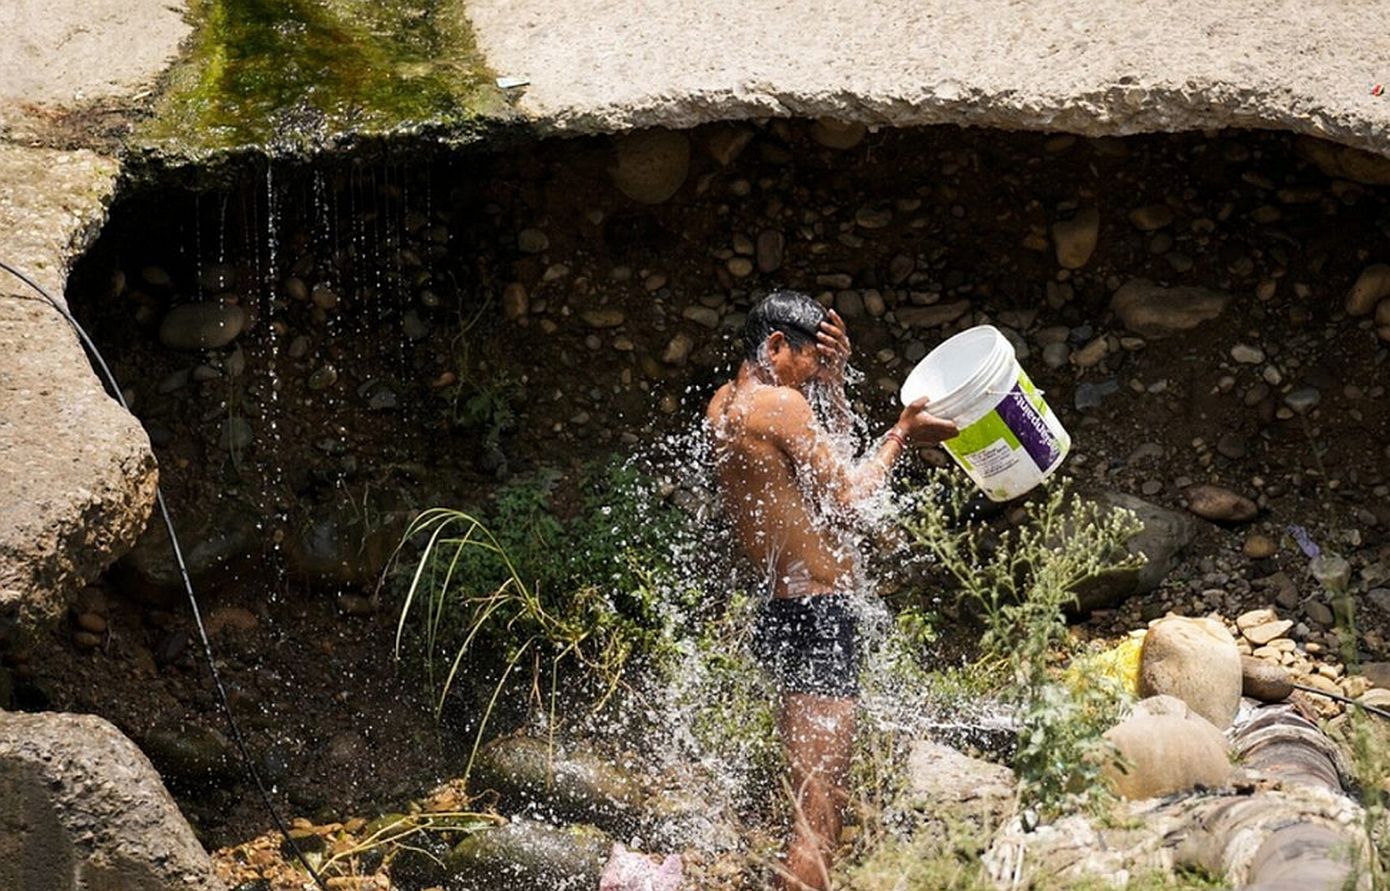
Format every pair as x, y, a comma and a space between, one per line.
242, 750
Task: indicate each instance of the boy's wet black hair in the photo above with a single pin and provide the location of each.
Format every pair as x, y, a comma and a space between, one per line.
795, 314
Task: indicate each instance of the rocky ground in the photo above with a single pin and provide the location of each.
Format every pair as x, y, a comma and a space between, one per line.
316, 354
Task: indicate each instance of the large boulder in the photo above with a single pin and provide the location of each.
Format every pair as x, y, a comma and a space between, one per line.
1163, 536
1165, 747
1195, 660
83, 809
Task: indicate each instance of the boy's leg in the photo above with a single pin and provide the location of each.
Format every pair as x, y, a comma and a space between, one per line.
818, 735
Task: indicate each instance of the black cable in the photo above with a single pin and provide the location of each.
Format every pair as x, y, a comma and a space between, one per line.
237, 738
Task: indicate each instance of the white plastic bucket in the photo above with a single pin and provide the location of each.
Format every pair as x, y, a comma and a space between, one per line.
1009, 440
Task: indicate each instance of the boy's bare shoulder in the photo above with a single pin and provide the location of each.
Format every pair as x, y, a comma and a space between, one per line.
778, 407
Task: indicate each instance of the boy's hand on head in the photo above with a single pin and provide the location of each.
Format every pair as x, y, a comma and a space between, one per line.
923, 428
832, 342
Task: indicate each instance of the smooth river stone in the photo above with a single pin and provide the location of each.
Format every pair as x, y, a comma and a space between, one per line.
201, 326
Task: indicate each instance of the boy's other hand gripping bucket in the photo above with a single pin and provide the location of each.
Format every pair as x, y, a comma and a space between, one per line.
1009, 440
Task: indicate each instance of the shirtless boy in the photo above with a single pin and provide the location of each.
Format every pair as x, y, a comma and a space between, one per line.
783, 481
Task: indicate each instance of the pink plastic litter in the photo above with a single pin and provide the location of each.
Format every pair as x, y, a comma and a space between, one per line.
632, 871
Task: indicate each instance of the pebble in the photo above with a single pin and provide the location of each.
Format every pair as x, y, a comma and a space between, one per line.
86, 639
874, 304
1090, 354
515, 301
702, 315
678, 349
296, 289
1247, 355
201, 326
1090, 395
414, 327
603, 317
1319, 612
1371, 286
1232, 445
1219, 504
1259, 547
1075, 239
850, 304
1151, 217
770, 250
1303, 400
1264, 633
323, 296
651, 165
91, 622
739, 267
868, 217
1055, 355
532, 241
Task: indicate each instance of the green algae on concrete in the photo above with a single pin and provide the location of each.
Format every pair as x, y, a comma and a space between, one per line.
286, 76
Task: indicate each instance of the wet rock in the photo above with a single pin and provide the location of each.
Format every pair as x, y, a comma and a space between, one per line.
651, 165
1075, 239
770, 250
1371, 286
214, 545
323, 377
1151, 217
1166, 747
1195, 660
297, 289
188, 753
530, 856
1219, 504
1155, 311
1233, 446
414, 327
337, 545
1162, 538
1090, 354
85, 810
201, 326
1263, 680
323, 296
421, 863
837, 134
527, 773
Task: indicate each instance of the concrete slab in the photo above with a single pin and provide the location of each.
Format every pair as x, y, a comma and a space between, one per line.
1102, 67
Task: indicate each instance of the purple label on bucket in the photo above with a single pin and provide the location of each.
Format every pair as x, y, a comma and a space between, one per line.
1028, 425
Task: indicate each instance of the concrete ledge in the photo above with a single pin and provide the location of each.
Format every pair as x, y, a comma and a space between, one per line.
79, 474
1099, 68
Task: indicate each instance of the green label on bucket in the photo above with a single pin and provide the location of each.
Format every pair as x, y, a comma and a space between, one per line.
1008, 449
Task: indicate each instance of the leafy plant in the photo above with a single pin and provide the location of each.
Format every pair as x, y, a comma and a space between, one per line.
1023, 580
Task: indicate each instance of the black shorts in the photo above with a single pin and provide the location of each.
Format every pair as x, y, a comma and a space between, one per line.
810, 644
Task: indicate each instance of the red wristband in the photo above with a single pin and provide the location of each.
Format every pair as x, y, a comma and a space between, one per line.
896, 437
